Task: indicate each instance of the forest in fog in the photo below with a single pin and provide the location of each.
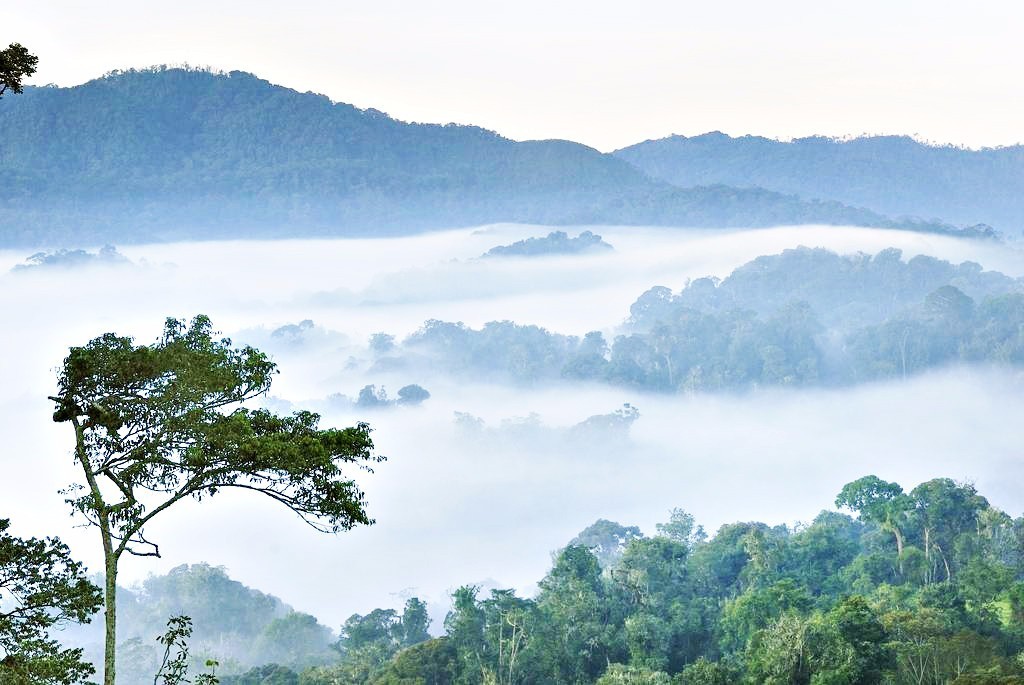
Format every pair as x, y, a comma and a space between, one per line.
334, 398
616, 484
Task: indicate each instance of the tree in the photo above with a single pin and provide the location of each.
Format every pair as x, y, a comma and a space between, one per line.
382, 343
681, 527
40, 587
434, 662
173, 668
464, 625
579, 631
879, 502
16, 63
412, 395
378, 626
370, 397
415, 623
295, 640
945, 510
617, 674
606, 540
156, 424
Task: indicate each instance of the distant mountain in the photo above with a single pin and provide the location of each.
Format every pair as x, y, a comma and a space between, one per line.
893, 175
173, 154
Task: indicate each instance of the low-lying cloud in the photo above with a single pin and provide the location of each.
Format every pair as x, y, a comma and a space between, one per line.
484, 480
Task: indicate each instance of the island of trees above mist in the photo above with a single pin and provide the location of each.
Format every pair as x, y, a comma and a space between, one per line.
172, 154
805, 317
899, 587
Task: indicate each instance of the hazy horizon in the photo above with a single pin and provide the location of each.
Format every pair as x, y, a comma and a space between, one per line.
584, 72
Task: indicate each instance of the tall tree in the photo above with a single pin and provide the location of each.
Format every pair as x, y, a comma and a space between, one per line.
945, 510
415, 623
881, 503
156, 424
16, 63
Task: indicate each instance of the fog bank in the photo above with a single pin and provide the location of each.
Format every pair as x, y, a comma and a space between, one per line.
463, 500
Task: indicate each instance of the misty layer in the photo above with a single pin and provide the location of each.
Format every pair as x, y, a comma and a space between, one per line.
238, 626
513, 479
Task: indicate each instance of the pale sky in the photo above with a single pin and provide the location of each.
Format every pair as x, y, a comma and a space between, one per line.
602, 73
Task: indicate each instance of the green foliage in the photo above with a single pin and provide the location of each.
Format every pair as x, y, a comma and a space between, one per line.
377, 646
41, 587
429, 663
16, 64
617, 674
270, 674
414, 625
755, 609
296, 641
706, 672
819, 604
681, 527
579, 624
156, 424
174, 664
152, 418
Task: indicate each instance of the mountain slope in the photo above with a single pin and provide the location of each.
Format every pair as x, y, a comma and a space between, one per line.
893, 175
175, 154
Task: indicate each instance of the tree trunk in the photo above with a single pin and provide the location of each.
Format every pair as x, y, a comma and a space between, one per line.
899, 547
110, 613
927, 555
110, 558
945, 562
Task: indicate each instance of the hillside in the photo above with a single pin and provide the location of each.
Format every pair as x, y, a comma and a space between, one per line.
174, 154
893, 175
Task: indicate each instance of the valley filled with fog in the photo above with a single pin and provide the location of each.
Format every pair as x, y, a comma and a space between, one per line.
490, 474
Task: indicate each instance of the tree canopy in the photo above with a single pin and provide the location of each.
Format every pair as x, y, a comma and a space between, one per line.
16, 64
41, 587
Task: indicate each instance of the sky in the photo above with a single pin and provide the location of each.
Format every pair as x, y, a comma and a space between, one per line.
457, 506
607, 74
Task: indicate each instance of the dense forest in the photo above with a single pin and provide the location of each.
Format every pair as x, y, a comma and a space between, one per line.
800, 318
173, 153
900, 587
895, 175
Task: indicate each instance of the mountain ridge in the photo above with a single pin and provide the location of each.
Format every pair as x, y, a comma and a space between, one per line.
895, 175
179, 154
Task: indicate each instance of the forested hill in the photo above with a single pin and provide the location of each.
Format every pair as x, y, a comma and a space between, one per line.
895, 175
165, 154
903, 587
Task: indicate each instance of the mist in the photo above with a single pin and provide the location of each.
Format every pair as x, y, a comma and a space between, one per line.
484, 481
